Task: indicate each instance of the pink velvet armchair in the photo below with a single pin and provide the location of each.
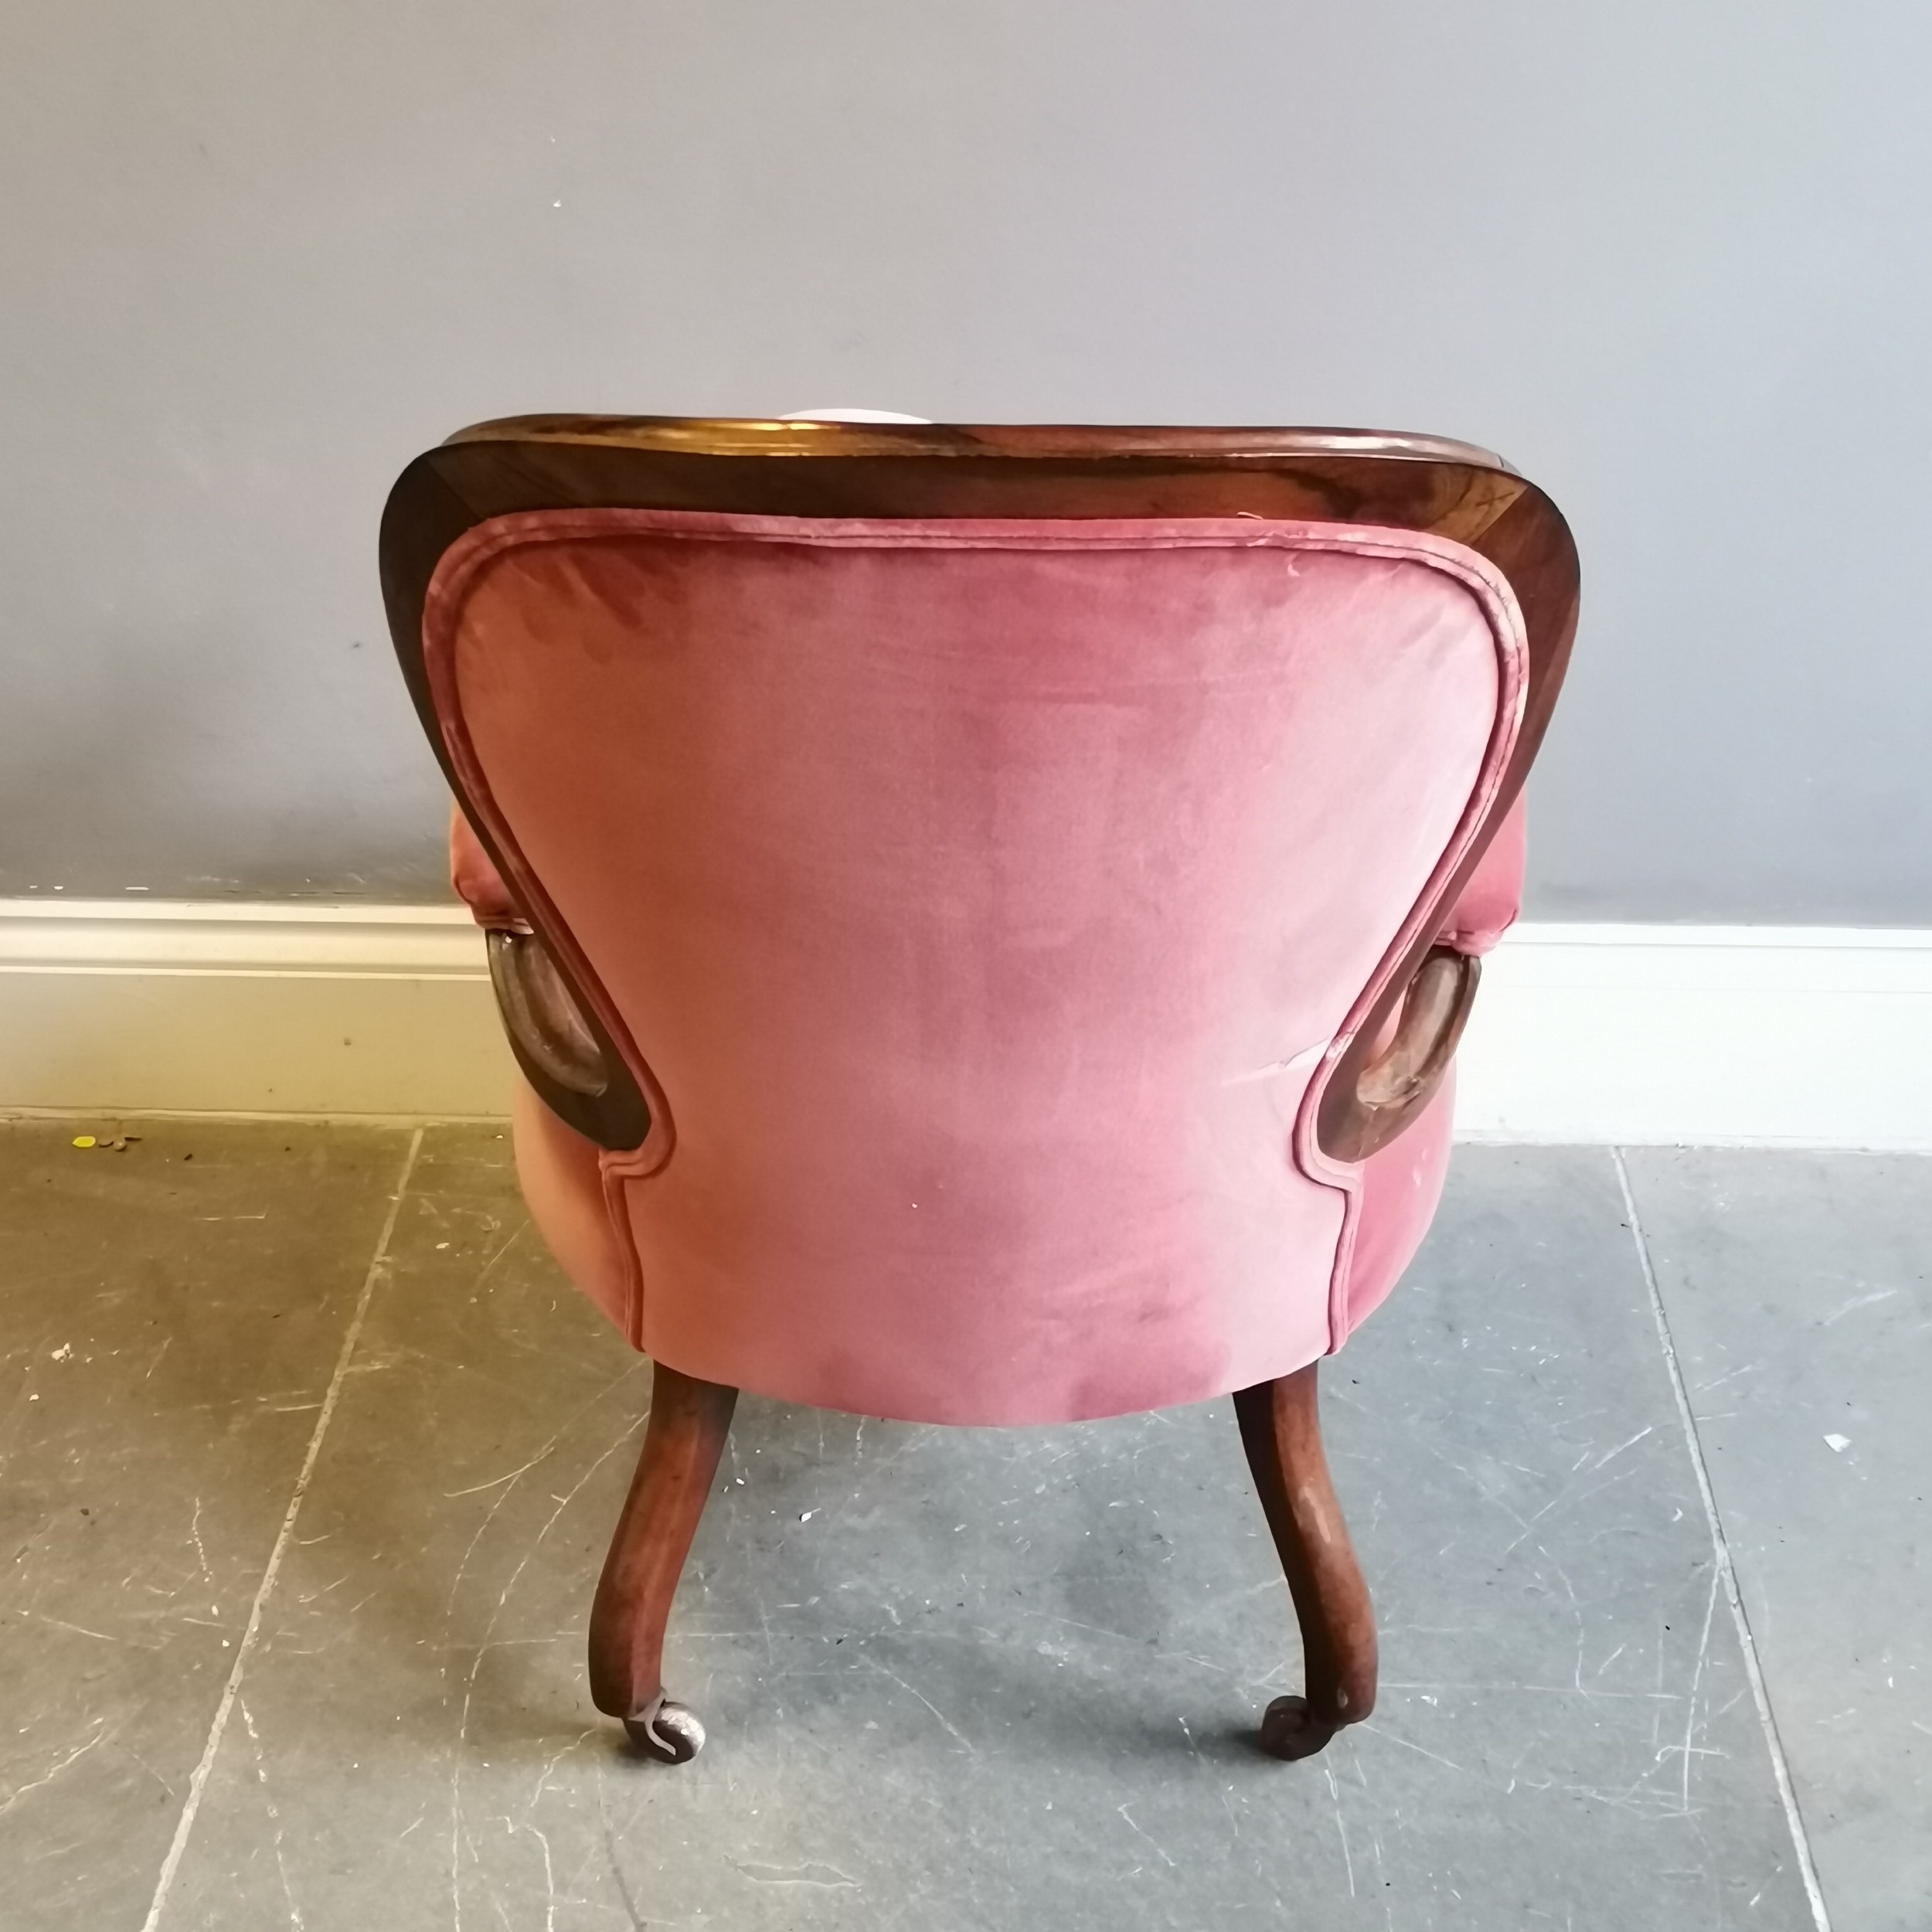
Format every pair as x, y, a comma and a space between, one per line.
984, 915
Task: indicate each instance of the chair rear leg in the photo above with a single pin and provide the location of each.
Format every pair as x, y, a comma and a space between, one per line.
682, 1442
1281, 1431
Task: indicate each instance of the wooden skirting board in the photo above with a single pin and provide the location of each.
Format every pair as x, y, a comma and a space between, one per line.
1751, 1035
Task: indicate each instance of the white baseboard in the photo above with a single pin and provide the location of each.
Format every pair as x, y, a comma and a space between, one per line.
1752, 1035
113, 1006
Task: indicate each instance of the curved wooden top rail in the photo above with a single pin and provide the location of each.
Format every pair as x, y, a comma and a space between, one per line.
790, 436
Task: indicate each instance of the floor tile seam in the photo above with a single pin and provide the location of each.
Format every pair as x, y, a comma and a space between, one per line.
251, 1633
1721, 1552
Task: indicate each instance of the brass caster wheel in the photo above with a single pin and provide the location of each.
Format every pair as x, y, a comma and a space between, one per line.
666, 1731
1290, 1729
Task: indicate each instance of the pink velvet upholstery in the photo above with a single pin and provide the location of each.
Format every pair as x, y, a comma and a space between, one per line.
476, 880
562, 1184
1486, 908
983, 905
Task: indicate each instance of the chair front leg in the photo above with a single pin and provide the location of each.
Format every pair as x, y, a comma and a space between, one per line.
682, 1442
1281, 1431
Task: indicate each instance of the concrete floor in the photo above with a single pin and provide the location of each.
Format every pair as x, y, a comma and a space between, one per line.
307, 1457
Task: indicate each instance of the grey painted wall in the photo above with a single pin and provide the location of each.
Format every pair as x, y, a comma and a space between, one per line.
1673, 261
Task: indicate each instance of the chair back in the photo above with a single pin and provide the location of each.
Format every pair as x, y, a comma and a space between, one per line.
988, 859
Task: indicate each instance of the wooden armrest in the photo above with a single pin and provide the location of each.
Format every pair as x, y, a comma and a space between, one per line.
564, 1056
1370, 1100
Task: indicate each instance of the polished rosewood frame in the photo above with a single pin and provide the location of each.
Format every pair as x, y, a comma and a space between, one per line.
573, 1047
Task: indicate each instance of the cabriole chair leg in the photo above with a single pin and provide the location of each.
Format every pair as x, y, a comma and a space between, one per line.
682, 1442
1281, 1431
